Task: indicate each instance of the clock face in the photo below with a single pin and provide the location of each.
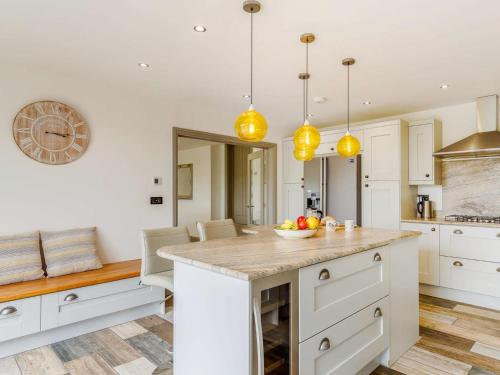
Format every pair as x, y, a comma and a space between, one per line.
51, 132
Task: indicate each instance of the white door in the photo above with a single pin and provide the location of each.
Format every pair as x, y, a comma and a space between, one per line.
381, 155
293, 170
293, 201
381, 204
428, 251
255, 188
420, 153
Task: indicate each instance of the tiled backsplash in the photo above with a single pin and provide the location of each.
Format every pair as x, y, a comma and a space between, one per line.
471, 187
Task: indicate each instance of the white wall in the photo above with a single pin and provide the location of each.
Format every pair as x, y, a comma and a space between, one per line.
110, 185
199, 208
218, 169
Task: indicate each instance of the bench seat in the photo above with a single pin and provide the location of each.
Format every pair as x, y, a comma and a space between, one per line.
109, 272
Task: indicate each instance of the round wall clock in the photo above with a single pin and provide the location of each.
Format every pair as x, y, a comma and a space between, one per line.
51, 132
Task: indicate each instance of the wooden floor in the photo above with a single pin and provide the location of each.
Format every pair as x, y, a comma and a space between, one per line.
455, 339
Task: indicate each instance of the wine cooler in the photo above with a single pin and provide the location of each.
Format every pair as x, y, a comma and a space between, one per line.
275, 313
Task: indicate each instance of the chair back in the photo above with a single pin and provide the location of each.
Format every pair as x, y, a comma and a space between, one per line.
215, 229
152, 240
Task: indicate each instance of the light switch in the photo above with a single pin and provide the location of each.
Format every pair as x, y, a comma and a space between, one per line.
157, 180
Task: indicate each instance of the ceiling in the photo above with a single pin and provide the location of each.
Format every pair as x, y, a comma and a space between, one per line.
404, 50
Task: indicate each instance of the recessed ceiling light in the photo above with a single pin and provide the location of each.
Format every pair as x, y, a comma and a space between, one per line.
200, 28
246, 96
143, 65
367, 102
444, 86
319, 99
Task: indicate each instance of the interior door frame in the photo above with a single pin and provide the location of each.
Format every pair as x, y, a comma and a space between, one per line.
270, 160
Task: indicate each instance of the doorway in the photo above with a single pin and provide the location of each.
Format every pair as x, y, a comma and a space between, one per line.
217, 177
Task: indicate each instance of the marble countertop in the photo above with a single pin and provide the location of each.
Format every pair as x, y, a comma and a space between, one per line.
262, 253
443, 222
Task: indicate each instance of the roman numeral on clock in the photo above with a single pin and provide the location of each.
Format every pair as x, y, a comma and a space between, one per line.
24, 130
25, 143
37, 153
77, 147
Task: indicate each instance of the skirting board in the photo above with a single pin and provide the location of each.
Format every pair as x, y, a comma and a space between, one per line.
39, 339
461, 296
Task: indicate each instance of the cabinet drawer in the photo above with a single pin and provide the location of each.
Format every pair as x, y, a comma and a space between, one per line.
328, 143
19, 318
353, 343
71, 306
470, 275
470, 242
334, 290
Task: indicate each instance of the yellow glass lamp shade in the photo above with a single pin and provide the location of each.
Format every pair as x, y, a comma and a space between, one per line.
348, 146
307, 136
251, 126
304, 154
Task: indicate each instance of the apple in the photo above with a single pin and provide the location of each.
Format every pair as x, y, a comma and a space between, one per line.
301, 222
312, 222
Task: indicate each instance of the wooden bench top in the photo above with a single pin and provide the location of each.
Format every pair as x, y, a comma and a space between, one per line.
109, 272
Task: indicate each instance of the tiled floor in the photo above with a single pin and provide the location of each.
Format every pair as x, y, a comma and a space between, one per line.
133, 348
456, 339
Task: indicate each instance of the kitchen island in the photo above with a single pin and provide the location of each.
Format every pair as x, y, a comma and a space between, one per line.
336, 303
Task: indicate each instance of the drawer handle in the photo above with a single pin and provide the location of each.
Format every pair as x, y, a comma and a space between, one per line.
71, 297
9, 310
457, 264
498, 269
366, 176
324, 345
458, 231
433, 229
332, 148
427, 175
377, 313
324, 274
377, 258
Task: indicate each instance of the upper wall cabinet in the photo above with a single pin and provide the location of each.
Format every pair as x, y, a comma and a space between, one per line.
382, 153
424, 140
293, 170
329, 140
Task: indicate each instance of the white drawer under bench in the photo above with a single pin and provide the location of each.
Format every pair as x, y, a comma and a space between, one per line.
112, 296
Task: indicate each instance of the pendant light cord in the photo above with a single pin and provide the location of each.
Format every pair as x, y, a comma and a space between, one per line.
251, 59
348, 96
306, 84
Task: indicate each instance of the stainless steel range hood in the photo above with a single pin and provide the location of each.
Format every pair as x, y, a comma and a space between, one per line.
486, 142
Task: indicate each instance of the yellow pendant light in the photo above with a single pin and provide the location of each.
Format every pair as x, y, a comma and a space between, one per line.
348, 145
307, 137
250, 125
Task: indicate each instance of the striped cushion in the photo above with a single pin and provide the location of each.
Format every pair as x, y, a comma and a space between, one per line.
70, 251
20, 258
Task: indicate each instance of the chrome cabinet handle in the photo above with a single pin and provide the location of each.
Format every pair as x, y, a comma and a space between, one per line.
457, 263
324, 274
377, 257
427, 175
332, 148
433, 229
366, 176
324, 345
259, 336
366, 185
71, 297
9, 310
458, 231
498, 269
377, 313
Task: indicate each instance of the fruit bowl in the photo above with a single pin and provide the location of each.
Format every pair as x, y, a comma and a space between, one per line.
291, 234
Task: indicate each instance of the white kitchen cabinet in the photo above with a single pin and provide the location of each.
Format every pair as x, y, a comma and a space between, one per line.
470, 275
19, 318
293, 201
293, 170
328, 143
332, 291
428, 251
382, 153
470, 242
381, 204
424, 140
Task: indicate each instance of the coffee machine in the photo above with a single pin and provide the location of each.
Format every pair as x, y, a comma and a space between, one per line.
424, 207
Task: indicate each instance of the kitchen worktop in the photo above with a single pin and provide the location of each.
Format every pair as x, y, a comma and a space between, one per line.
262, 253
441, 221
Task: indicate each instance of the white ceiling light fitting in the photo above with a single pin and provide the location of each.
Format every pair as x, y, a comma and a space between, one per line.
444, 86
319, 99
200, 28
367, 102
143, 65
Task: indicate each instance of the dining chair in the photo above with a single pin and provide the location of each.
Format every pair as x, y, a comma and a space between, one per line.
216, 229
158, 271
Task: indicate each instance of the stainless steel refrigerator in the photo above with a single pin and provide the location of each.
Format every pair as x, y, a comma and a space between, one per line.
333, 186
